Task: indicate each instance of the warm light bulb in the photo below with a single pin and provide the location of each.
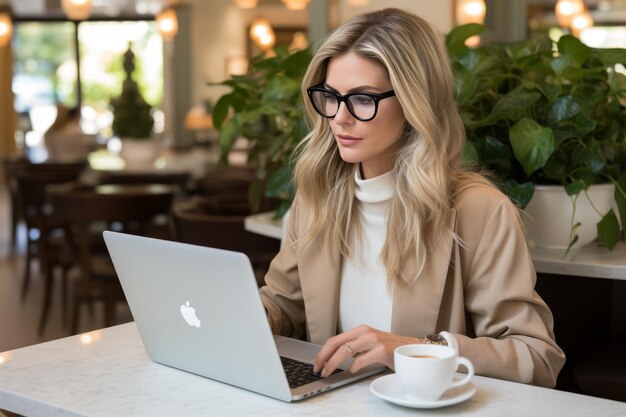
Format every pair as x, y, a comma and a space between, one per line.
168, 24
566, 9
475, 8
581, 22
296, 4
471, 11
86, 339
246, 4
2, 360
262, 33
260, 30
6, 29
76, 9
358, 2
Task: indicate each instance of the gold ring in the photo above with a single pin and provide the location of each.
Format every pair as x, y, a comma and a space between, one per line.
353, 353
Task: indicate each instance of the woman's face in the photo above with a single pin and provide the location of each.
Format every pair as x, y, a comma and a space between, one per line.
375, 142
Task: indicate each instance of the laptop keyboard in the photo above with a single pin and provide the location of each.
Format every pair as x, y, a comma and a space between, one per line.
300, 373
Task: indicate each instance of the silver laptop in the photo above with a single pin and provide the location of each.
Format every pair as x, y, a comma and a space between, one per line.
198, 309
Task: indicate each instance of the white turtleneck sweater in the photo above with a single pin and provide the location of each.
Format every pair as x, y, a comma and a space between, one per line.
363, 296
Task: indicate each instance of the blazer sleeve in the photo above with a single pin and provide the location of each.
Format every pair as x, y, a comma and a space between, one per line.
513, 325
282, 293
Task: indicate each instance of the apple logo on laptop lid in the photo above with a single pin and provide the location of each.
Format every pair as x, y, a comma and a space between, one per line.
189, 314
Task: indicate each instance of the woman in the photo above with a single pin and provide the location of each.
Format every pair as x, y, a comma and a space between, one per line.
64, 140
390, 240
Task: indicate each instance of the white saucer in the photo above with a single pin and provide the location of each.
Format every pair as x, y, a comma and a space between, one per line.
388, 388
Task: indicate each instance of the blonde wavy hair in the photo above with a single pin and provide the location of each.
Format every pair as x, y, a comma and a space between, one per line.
427, 168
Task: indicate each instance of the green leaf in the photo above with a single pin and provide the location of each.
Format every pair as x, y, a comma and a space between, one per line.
584, 125
590, 156
560, 63
575, 187
532, 144
495, 154
228, 134
464, 86
608, 230
296, 64
280, 183
620, 198
455, 40
469, 153
515, 101
611, 56
520, 194
554, 169
255, 193
580, 52
565, 107
618, 83
239, 99
574, 239
281, 88
220, 111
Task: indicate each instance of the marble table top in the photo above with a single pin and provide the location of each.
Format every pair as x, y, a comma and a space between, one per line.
107, 373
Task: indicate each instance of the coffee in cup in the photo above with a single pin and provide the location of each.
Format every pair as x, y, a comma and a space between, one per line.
427, 371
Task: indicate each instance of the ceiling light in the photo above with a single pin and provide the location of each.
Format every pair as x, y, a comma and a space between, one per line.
296, 4
470, 11
580, 22
168, 24
262, 34
566, 10
6, 29
76, 9
246, 4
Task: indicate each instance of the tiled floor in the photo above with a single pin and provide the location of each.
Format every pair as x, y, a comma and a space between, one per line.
19, 319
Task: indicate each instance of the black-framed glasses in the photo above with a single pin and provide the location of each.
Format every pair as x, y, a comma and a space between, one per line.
362, 106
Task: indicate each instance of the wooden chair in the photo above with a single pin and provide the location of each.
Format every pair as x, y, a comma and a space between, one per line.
44, 228
87, 211
10, 166
197, 222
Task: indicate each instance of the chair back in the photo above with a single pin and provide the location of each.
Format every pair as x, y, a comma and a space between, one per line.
86, 211
193, 224
33, 182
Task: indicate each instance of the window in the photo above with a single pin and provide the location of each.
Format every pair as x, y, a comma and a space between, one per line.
46, 74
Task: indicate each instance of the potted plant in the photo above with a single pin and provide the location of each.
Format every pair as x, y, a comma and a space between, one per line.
132, 118
539, 112
265, 107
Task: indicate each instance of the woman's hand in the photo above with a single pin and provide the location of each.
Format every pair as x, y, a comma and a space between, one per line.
365, 344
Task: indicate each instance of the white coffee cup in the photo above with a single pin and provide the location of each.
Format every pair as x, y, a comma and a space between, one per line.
427, 371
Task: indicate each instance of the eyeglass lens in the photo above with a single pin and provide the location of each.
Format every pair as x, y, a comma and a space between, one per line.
327, 104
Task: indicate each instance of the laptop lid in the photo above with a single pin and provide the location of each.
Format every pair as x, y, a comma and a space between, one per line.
198, 309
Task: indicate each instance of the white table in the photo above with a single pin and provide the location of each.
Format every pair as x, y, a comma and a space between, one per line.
591, 261
264, 224
112, 376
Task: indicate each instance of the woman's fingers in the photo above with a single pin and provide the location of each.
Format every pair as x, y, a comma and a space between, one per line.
363, 343
328, 350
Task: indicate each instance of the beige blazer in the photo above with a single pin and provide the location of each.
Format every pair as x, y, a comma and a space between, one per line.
481, 291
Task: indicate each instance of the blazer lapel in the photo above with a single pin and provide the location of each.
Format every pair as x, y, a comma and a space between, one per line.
416, 308
320, 276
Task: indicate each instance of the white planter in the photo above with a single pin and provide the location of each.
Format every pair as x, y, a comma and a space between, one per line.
140, 153
548, 215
